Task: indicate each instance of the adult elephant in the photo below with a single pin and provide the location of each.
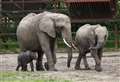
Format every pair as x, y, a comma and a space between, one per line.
90, 38
37, 32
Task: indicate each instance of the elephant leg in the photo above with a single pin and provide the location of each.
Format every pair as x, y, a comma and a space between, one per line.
77, 65
52, 46
97, 61
24, 67
39, 65
85, 62
45, 45
100, 53
32, 66
18, 66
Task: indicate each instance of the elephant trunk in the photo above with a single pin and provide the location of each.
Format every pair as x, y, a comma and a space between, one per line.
69, 57
69, 51
99, 45
68, 42
67, 38
70, 54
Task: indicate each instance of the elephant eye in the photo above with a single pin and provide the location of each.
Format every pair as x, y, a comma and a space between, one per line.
61, 27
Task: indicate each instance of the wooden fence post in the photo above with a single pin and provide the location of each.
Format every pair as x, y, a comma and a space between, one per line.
116, 36
0, 11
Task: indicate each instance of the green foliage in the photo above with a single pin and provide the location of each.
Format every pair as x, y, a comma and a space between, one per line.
9, 46
9, 24
118, 8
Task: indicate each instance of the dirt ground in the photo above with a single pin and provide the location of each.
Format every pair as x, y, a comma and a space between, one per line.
110, 65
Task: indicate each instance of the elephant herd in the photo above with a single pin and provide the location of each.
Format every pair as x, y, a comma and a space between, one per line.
36, 33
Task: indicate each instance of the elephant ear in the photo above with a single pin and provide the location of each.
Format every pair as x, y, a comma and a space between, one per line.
92, 38
106, 37
47, 25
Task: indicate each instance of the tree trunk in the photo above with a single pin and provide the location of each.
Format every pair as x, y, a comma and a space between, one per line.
0, 7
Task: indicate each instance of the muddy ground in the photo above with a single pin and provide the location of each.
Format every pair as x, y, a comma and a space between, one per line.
110, 65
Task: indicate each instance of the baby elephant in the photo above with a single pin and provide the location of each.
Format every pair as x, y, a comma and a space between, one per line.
24, 58
90, 38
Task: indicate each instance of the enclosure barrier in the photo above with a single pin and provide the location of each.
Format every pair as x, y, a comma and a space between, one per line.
78, 10
8, 39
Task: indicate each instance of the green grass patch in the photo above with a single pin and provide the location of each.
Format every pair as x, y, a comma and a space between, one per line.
9, 46
35, 81
27, 77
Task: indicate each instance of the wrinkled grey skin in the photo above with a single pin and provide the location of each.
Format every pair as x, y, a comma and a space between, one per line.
24, 58
90, 38
38, 33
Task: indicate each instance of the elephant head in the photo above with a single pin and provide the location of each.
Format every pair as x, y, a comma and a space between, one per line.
57, 22
100, 35
32, 55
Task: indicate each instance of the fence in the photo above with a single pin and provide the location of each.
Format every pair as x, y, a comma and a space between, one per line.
113, 27
8, 39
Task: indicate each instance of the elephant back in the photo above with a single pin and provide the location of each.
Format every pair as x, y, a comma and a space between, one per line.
83, 31
26, 32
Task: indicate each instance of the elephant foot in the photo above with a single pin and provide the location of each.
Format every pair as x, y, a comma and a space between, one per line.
87, 68
98, 68
32, 70
47, 67
77, 68
39, 68
17, 70
24, 70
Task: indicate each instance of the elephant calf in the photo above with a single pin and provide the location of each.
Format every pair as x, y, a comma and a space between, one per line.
24, 58
90, 38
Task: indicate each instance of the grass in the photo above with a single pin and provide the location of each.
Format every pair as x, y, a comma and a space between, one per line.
35, 81
8, 76
11, 46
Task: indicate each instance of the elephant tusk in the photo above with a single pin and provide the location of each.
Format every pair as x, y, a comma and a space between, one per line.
74, 46
66, 43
